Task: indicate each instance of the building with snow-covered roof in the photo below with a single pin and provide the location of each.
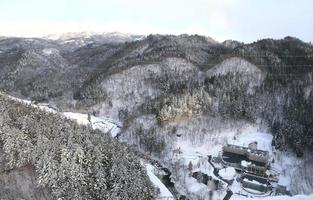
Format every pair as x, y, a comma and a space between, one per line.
254, 183
248, 159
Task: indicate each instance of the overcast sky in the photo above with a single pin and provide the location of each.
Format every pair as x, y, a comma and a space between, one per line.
243, 20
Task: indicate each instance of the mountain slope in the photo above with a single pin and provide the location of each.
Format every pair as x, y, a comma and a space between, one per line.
163, 66
163, 88
71, 161
158, 70
43, 69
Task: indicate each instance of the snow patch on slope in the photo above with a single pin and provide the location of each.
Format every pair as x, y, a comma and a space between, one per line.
251, 74
308, 91
49, 51
129, 89
103, 124
233, 65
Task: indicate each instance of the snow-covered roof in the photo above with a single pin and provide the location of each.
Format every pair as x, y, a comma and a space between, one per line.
245, 163
254, 182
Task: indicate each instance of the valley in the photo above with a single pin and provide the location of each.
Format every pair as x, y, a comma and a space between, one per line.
189, 157
167, 103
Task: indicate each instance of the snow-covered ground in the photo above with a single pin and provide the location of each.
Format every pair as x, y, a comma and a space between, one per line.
27, 102
296, 197
103, 124
189, 154
49, 51
227, 173
164, 193
189, 150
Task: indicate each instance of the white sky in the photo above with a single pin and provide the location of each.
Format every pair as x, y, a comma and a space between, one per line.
243, 20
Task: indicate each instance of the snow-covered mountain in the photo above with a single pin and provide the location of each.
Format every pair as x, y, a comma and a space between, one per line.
87, 38
74, 35
177, 99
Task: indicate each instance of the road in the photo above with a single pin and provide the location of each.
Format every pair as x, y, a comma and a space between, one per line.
228, 182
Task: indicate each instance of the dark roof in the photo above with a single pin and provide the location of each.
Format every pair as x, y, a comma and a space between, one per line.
236, 158
254, 151
251, 177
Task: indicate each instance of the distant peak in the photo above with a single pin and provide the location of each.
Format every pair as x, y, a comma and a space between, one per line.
89, 34
69, 35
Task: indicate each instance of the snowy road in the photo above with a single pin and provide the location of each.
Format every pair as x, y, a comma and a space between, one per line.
164, 192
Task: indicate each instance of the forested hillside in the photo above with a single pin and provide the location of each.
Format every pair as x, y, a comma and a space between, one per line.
269, 80
169, 94
56, 158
